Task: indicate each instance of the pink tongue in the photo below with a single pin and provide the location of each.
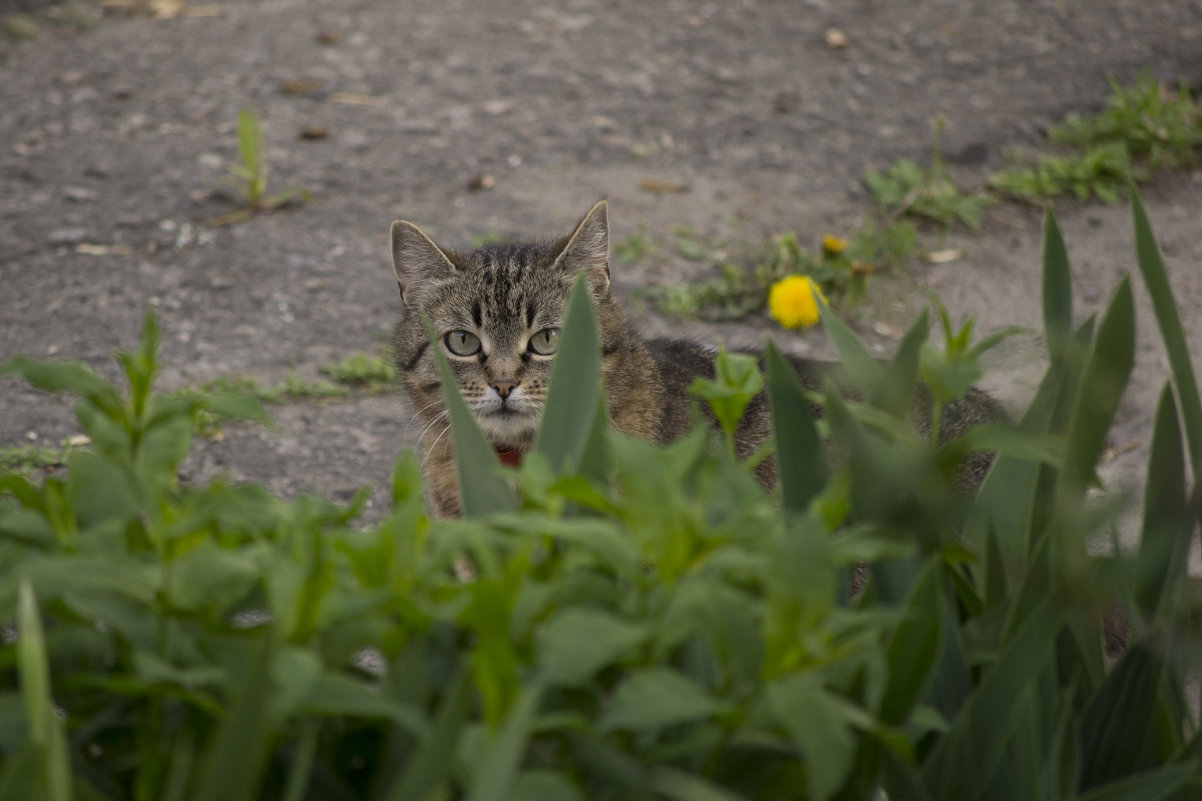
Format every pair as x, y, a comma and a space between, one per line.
511, 458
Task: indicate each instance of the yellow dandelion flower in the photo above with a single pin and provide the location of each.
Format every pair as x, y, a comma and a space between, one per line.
833, 245
793, 301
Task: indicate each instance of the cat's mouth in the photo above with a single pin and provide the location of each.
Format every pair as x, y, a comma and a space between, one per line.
508, 425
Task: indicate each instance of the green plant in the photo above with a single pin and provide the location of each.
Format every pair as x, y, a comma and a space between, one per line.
644, 622
363, 372
635, 248
878, 245
28, 460
904, 188
1144, 127
251, 174
1159, 127
1102, 171
291, 388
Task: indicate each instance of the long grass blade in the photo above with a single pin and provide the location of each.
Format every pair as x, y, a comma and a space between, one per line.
1156, 278
33, 670
434, 758
896, 391
238, 754
802, 463
862, 369
1115, 727
1154, 785
1057, 289
1106, 373
966, 756
1160, 566
575, 393
501, 765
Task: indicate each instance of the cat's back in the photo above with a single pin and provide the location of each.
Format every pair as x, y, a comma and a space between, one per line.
679, 363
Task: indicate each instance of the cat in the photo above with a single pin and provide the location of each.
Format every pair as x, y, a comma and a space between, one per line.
497, 311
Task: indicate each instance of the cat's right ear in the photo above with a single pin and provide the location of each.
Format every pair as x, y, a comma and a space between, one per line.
416, 260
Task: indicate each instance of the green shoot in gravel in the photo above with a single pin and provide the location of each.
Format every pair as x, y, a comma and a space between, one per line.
251, 174
1101, 171
1160, 127
644, 621
363, 372
928, 193
1144, 127
28, 460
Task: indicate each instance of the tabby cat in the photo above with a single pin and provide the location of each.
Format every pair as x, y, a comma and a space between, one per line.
497, 311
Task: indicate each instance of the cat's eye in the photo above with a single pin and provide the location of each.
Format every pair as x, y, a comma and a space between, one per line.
544, 342
462, 343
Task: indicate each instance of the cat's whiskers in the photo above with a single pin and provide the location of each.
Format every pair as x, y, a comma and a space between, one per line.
417, 414
433, 445
441, 415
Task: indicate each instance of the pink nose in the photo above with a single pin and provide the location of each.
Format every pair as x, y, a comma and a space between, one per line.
503, 388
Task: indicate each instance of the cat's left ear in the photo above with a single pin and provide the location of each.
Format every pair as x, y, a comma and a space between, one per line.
417, 261
588, 249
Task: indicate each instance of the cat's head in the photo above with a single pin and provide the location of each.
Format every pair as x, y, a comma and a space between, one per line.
496, 312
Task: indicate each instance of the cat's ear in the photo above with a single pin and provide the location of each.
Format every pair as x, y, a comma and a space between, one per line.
416, 260
588, 249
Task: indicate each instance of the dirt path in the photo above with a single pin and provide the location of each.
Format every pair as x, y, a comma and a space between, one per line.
112, 139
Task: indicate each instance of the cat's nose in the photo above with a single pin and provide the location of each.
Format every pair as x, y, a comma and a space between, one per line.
503, 388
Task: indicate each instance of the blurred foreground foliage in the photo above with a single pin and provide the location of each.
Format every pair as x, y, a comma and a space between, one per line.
643, 622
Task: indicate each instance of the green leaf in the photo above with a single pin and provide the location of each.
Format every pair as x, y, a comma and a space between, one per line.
818, 724
1115, 725
482, 485
435, 757
737, 379
98, 493
862, 369
651, 698
1160, 567
213, 578
1151, 266
1057, 288
896, 391
238, 754
725, 616
1106, 372
33, 671
505, 753
801, 459
21, 774
70, 377
1029, 446
1153, 785
913, 648
964, 759
339, 695
578, 642
140, 366
544, 785
575, 395
683, 786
